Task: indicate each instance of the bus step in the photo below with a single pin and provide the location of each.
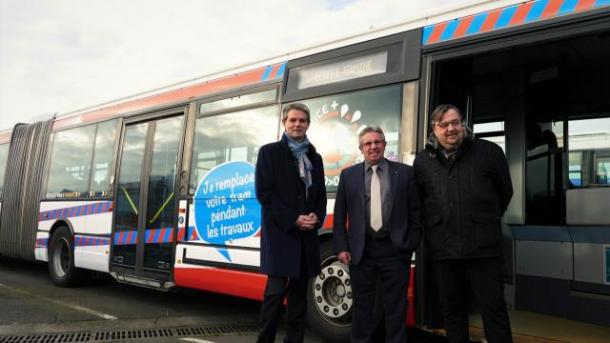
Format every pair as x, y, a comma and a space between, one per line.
143, 282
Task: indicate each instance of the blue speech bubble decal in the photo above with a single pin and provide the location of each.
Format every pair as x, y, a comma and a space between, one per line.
226, 208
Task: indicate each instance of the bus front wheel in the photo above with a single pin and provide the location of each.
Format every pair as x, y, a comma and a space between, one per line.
329, 298
61, 258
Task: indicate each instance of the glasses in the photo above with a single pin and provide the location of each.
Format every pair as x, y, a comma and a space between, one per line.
445, 125
370, 144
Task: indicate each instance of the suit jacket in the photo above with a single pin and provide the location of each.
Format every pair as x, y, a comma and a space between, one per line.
350, 218
463, 202
281, 193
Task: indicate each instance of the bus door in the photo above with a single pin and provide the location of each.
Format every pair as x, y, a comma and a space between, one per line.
145, 198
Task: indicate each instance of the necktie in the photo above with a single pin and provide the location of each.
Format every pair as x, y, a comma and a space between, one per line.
376, 221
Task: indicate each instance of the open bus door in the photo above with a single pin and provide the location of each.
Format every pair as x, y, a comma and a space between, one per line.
144, 229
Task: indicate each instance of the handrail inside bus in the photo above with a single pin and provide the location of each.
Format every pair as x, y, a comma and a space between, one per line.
133, 206
171, 196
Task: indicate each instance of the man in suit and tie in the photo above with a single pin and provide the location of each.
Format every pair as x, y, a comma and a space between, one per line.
376, 229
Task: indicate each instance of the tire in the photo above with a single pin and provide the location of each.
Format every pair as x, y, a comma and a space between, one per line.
329, 298
61, 259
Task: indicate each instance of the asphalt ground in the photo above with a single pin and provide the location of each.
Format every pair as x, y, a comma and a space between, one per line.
32, 309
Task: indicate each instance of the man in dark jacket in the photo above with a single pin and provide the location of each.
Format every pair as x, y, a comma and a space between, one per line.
465, 188
290, 188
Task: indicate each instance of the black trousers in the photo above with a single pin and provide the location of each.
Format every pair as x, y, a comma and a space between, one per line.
380, 263
456, 278
277, 289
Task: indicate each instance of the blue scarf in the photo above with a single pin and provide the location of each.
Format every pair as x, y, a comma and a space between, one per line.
299, 151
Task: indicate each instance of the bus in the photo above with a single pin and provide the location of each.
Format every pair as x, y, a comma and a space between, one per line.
157, 189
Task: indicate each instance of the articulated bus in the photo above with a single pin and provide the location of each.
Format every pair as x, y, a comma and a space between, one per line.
158, 189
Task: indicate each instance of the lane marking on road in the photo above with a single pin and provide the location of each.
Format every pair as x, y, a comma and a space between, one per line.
62, 303
196, 340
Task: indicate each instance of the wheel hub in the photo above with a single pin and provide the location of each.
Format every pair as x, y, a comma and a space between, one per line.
333, 291
61, 257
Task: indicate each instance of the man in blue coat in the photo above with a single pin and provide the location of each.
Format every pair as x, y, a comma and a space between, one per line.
376, 229
290, 188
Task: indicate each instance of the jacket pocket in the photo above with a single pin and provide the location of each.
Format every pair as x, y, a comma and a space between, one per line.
487, 230
433, 231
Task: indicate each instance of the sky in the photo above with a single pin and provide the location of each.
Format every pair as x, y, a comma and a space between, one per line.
58, 56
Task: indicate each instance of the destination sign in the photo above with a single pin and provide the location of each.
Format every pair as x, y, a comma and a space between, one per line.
353, 68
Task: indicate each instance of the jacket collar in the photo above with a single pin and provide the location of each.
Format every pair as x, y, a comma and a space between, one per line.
312, 149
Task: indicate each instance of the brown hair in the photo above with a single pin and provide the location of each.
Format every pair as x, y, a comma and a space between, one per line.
439, 112
295, 106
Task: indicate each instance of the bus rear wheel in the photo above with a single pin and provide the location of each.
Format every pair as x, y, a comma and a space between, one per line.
61, 258
329, 298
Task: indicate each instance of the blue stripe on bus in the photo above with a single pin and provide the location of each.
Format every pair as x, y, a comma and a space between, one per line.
76, 211
449, 30
267, 73
476, 24
540, 233
280, 71
567, 7
536, 11
427, 32
151, 236
599, 3
81, 241
590, 234
505, 17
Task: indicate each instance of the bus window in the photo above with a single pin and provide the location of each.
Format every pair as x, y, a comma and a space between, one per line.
493, 132
71, 162
234, 136
102, 159
544, 174
3, 159
337, 120
602, 170
589, 153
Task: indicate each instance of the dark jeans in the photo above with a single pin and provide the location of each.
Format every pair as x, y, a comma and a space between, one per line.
295, 291
456, 278
380, 263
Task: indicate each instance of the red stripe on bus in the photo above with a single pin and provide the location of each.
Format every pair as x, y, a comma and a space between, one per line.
133, 237
162, 236
274, 70
243, 284
186, 93
328, 221
552, 7
491, 19
194, 235
521, 14
463, 27
584, 5
437, 32
411, 298
121, 238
